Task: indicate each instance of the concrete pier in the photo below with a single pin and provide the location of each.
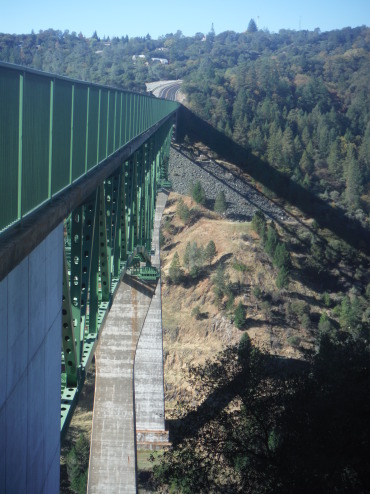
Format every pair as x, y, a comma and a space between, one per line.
30, 335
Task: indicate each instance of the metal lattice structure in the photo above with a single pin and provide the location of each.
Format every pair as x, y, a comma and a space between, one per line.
55, 130
59, 136
108, 235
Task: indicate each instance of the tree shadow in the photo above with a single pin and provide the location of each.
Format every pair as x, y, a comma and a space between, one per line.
170, 246
306, 298
256, 323
218, 399
350, 230
222, 260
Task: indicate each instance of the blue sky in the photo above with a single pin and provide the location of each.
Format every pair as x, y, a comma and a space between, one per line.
159, 17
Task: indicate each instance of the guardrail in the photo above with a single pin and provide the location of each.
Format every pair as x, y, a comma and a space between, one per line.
54, 130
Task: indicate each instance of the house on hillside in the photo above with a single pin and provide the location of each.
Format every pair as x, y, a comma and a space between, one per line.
138, 57
162, 61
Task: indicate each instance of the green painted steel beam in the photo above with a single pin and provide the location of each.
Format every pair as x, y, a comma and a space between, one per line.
77, 221
104, 249
69, 360
108, 235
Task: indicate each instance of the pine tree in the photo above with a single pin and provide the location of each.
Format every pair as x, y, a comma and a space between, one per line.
306, 163
220, 203
272, 240
274, 145
240, 106
334, 161
175, 273
281, 256
240, 131
210, 252
239, 316
259, 224
282, 279
364, 152
353, 181
198, 193
288, 147
252, 26
183, 211
186, 258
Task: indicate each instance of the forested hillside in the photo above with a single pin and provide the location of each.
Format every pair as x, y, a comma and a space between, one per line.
296, 99
299, 100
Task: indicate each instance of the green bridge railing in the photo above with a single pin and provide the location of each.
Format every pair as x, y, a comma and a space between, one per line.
54, 130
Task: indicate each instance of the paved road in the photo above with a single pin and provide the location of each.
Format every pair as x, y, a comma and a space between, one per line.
164, 89
170, 91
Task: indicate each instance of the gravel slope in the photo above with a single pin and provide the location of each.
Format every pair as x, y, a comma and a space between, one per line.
243, 200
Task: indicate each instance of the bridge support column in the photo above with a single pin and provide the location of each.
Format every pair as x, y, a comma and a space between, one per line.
30, 334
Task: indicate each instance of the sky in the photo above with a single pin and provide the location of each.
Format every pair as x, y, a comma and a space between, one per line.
160, 17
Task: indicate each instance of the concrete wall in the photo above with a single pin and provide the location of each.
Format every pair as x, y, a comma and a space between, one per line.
30, 348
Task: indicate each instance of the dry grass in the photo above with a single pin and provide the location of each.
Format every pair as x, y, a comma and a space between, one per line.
188, 341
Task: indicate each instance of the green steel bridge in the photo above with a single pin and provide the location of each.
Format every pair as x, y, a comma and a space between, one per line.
80, 167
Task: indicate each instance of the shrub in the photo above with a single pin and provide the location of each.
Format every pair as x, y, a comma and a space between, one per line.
294, 341
196, 313
305, 321
367, 292
162, 238
299, 308
239, 266
257, 292
77, 464
324, 323
326, 299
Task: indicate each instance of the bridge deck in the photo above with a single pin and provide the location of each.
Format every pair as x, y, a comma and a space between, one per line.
149, 392
113, 446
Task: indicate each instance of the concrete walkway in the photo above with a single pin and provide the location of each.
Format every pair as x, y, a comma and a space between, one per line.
112, 468
149, 384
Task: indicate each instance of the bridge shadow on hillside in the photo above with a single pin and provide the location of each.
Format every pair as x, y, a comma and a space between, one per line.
349, 230
218, 400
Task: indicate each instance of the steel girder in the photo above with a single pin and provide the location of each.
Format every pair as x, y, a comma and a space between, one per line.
104, 237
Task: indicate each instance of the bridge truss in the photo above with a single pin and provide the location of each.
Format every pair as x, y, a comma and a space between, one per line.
108, 235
